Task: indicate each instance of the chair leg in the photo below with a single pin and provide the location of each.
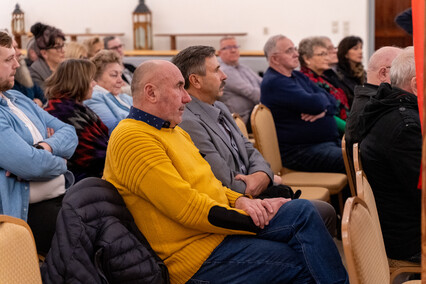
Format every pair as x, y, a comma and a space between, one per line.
340, 197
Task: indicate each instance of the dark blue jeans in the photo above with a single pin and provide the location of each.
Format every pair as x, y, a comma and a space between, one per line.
294, 248
322, 157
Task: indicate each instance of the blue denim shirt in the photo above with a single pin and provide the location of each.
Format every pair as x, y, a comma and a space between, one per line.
108, 108
18, 156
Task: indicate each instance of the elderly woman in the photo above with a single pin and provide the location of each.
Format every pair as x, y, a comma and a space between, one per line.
314, 61
50, 51
33, 149
108, 101
66, 89
350, 68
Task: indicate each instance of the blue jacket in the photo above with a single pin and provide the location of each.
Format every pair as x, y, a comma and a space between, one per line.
288, 98
18, 156
107, 107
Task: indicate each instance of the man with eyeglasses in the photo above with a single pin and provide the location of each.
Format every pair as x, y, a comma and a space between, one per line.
302, 111
242, 89
114, 43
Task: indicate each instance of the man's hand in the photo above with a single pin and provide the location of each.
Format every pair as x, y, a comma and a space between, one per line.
276, 204
278, 179
38, 102
50, 132
312, 117
259, 210
256, 183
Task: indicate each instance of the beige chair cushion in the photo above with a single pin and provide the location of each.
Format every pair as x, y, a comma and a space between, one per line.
313, 193
334, 182
18, 254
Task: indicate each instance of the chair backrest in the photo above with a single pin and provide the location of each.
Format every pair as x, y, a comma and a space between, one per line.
241, 125
365, 255
356, 157
265, 136
350, 173
18, 253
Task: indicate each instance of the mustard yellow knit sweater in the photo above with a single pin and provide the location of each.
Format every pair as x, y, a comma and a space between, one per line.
175, 199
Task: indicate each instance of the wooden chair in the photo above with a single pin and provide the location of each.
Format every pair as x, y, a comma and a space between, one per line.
242, 126
365, 255
356, 157
266, 139
350, 173
365, 193
18, 254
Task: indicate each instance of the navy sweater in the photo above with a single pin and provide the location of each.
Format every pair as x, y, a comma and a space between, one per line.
288, 98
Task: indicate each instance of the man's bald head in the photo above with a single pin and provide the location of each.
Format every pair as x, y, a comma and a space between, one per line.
378, 70
158, 89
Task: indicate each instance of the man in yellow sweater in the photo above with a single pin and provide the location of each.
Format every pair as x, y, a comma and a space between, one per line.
202, 230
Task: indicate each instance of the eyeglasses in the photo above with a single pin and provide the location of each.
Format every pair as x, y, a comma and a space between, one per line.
229, 47
322, 54
58, 47
289, 51
117, 47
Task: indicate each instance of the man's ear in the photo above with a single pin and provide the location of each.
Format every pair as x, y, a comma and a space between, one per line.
413, 85
381, 74
194, 80
150, 92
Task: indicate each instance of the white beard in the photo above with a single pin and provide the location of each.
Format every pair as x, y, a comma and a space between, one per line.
23, 75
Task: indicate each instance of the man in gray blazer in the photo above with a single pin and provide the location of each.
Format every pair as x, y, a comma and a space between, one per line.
233, 159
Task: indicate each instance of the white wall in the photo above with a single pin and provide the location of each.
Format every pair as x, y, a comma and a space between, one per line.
260, 19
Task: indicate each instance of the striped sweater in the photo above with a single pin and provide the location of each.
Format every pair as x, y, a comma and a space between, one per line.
178, 204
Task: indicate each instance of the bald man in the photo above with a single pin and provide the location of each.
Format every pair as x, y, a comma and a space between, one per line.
203, 231
378, 71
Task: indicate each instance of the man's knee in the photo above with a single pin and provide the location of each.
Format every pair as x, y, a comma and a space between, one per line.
328, 215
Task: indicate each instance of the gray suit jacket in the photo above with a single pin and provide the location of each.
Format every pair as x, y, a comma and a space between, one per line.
215, 147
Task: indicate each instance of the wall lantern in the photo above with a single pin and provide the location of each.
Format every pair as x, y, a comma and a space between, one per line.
18, 24
142, 27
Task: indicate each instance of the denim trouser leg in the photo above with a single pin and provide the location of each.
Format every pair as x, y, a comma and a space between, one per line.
294, 248
321, 157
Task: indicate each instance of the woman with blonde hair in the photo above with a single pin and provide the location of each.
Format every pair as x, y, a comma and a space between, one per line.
75, 50
93, 45
66, 89
108, 100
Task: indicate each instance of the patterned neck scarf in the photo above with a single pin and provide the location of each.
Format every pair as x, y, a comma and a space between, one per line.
337, 93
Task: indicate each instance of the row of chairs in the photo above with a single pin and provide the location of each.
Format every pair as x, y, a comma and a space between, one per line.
362, 237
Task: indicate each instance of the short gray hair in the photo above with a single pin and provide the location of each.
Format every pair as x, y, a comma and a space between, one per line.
270, 45
306, 47
403, 68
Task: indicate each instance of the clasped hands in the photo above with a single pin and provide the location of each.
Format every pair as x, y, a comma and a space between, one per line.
261, 211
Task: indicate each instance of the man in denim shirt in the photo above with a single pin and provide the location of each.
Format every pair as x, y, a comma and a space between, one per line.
34, 147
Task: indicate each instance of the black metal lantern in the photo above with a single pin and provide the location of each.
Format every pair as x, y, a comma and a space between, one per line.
18, 24
142, 27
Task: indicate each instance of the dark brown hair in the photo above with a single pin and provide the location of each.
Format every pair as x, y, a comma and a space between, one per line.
5, 40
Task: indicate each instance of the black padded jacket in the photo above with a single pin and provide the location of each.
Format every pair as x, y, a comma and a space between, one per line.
97, 241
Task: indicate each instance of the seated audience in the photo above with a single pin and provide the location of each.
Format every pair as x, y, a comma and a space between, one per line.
33, 149
242, 89
349, 68
23, 81
107, 100
233, 159
302, 111
50, 51
218, 235
314, 61
378, 71
75, 50
31, 53
115, 44
66, 89
391, 153
93, 45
